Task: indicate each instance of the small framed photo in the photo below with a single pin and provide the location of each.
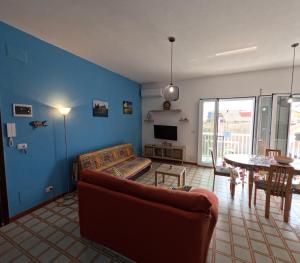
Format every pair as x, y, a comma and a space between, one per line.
127, 107
100, 108
22, 110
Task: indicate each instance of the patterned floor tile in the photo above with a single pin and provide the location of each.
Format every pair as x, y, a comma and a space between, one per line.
242, 254
223, 259
38, 249
223, 247
240, 241
260, 247
281, 253
88, 255
49, 255
294, 246
10, 255
259, 258
296, 257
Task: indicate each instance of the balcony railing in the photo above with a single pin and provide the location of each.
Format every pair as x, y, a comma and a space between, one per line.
238, 143
228, 143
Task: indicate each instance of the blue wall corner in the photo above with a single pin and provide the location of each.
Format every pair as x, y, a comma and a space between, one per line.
37, 73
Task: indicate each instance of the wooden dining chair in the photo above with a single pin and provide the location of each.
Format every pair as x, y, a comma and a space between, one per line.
218, 170
278, 183
273, 152
270, 153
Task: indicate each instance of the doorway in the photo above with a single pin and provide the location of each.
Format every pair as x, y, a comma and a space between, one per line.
225, 126
4, 216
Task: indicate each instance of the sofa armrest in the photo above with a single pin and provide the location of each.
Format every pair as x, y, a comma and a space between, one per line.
211, 197
213, 210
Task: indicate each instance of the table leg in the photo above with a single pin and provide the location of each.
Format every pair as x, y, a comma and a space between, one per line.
155, 182
250, 185
183, 179
163, 178
178, 180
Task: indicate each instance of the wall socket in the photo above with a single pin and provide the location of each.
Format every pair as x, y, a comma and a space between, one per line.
49, 189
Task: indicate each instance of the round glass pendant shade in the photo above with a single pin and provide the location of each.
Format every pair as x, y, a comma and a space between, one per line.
170, 92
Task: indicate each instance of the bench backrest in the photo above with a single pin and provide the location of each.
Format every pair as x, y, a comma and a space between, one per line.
104, 158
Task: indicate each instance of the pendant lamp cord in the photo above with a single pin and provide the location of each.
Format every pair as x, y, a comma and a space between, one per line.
171, 63
293, 69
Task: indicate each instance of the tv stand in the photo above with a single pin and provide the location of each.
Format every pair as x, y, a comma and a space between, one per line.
164, 152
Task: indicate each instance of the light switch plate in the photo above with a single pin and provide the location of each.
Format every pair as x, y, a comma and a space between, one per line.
22, 146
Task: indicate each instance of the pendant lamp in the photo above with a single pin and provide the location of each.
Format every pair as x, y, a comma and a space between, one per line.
290, 99
171, 92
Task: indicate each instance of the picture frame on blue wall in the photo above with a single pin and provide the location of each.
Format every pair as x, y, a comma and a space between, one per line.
100, 108
22, 110
127, 107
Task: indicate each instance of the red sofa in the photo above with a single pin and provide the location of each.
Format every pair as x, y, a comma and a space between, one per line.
146, 223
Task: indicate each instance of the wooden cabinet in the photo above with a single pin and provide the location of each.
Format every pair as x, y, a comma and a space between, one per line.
171, 153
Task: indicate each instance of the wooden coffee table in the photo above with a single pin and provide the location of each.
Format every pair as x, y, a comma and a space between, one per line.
171, 170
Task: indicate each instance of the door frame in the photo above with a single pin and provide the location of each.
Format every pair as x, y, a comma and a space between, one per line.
257, 117
4, 214
216, 122
200, 129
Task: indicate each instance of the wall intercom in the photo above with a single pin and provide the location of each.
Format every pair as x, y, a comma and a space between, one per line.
11, 133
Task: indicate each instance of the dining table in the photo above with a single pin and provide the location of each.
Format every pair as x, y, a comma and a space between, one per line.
253, 163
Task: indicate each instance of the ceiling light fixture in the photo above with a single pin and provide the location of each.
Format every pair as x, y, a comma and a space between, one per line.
236, 51
290, 99
171, 92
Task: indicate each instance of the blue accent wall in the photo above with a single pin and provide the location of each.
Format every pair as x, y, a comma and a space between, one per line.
37, 73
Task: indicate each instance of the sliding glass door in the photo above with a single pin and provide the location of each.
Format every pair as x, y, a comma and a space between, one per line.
280, 123
225, 126
285, 132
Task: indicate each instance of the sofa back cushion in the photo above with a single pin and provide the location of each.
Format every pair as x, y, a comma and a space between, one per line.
188, 201
104, 158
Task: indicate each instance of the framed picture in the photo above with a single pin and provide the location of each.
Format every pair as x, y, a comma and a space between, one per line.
100, 108
22, 110
127, 107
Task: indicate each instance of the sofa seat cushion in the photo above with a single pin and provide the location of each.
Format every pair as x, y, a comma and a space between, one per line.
129, 167
189, 201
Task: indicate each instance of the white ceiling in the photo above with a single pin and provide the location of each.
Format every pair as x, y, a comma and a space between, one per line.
130, 36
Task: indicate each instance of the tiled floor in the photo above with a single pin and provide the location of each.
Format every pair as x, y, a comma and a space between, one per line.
51, 234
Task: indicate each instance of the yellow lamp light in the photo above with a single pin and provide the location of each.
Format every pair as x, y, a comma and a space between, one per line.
64, 111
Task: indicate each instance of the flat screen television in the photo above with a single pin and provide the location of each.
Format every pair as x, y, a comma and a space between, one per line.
165, 132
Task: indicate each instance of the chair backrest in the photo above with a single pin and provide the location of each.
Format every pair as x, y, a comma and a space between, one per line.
273, 152
213, 159
279, 182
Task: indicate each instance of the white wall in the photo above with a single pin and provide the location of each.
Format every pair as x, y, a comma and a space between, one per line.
225, 86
